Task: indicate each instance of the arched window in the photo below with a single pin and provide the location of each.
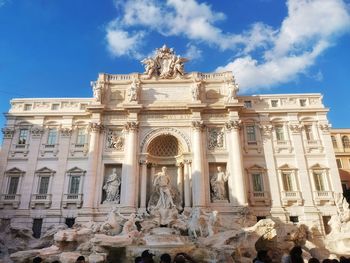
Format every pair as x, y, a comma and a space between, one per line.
346, 142
334, 141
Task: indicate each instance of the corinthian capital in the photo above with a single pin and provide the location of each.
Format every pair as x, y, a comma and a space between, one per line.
95, 126
295, 128
198, 125
325, 127
131, 126
235, 125
266, 129
66, 131
8, 132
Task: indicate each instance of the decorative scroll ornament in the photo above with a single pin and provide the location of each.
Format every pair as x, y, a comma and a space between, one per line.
8, 132
37, 132
215, 138
198, 125
131, 126
66, 132
236, 125
95, 127
115, 140
166, 64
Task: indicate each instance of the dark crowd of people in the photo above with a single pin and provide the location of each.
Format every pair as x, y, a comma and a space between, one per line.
263, 256
147, 257
295, 256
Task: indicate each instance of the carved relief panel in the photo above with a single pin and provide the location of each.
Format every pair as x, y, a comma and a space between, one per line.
115, 140
215, 138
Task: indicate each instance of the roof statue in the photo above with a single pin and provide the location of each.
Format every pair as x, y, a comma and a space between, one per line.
165, 64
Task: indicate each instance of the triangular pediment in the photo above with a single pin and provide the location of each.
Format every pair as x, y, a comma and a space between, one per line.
287, 167
256, 167
14, 170
45, 170
318, 166
76, 170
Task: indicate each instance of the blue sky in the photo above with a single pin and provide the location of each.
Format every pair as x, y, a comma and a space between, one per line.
54, 48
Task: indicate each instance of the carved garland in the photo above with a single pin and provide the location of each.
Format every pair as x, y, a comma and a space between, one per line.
235, 125
8, 132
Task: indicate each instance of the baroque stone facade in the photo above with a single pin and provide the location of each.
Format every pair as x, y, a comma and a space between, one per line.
74, 159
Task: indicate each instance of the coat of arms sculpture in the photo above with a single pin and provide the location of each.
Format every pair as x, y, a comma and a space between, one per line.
165, 64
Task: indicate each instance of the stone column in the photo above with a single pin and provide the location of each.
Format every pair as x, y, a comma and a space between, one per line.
143, 186
236, 182
187, 184
129, 180
303, 172
60, 178
198, 183
333, 177
180, 185
5, 150
95, 129
31, 179
274, 186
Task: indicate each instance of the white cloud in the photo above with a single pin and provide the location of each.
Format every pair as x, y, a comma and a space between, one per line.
285, 52
307, 31
121, 43
193, 52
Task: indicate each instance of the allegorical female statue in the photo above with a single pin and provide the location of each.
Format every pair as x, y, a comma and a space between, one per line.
217, 183
112, 187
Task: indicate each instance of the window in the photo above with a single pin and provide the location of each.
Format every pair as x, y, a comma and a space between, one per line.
13, 185
279, 133
334, 142
257, 182
248, 104
294, 219
52, 137
70, 222
309, 133
74, 184
27, 107
274, 103
339, 164
302, 102
287, 179
55, 106
251, 136
346, 142
23, 135
44, 185
81, 136
319, 181
37, 224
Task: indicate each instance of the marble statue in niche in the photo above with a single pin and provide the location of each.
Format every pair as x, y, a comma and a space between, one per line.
115, 140
165, 200
112, 187
97, 90
215, 138
218, 185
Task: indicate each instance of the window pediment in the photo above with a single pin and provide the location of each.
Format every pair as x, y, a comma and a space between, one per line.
45, 170
76, 170
287, 167
14, 170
